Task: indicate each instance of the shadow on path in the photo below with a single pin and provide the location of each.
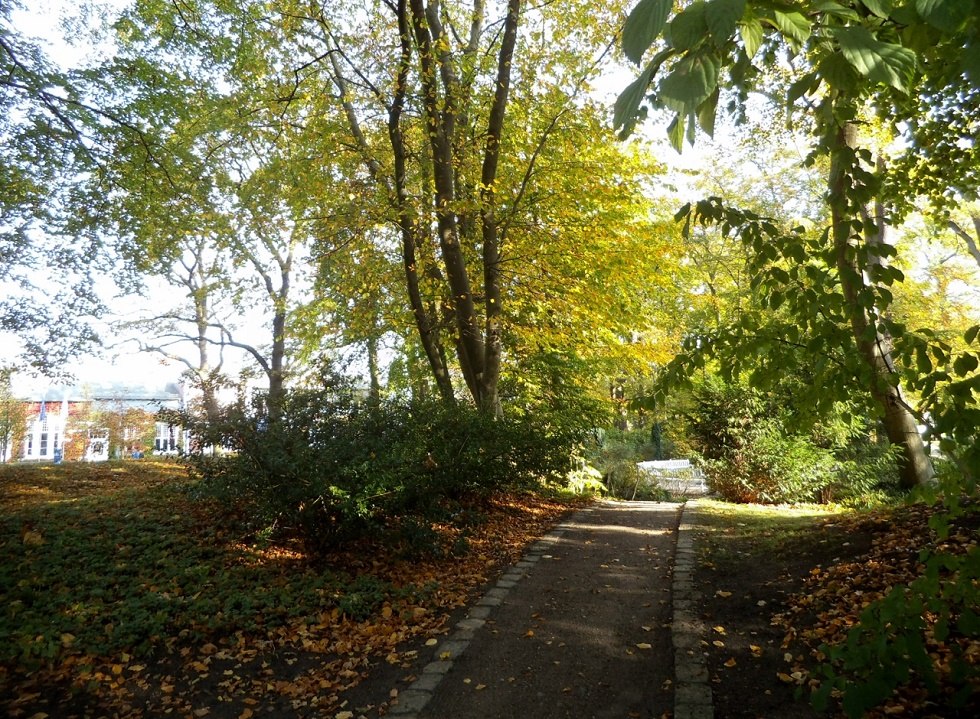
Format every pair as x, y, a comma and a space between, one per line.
580, 628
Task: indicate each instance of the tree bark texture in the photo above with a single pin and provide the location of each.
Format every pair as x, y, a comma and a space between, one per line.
444, 205
425, 323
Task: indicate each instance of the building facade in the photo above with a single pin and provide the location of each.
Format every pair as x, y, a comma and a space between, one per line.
97, 424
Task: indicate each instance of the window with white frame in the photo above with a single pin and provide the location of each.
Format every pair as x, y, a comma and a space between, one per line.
166, 438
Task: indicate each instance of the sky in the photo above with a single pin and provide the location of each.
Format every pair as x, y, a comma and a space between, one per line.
43, 19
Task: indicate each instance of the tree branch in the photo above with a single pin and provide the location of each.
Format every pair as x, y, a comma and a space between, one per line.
971, 243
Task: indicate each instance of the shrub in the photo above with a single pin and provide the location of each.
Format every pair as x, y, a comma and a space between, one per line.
334, 468
753, 449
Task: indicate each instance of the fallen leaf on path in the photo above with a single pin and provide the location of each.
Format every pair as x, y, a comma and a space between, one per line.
644, 645
730, 663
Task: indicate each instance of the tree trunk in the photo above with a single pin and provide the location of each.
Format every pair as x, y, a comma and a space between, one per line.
488, 398
445, 101
441, 125
424, 322
971, 242
873, 344
374, 395
277, 377
205, 375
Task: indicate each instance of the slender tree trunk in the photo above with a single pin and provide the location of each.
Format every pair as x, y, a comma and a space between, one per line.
277, 377
874, 346
488, 397
374, 396
440, 121
205, 376
424, 322
971, 242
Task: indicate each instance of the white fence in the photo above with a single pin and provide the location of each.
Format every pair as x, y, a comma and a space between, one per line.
677, 476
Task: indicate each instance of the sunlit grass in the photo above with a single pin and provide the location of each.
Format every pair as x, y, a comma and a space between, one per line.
728, 529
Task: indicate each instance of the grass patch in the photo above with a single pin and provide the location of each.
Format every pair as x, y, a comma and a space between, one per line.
732, 533
123, 585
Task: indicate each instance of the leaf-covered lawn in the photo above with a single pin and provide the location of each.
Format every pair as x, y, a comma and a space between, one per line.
123, 592
782, 584
835, 599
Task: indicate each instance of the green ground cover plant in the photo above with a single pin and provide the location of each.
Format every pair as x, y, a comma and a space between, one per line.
135, 568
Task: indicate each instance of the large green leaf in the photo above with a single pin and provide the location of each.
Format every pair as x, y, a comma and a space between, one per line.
751, 32
945, 15
690, 82
970, 62
882, 62
837, 72
965, 364
707, 112
675, 132
689, 27
722, 17
794, 26
881, 8
835, 9
643, 25
628, 103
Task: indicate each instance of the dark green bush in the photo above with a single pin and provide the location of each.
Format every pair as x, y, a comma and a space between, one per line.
334, 468
753, 448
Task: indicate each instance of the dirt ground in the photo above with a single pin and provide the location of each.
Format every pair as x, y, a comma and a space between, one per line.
742, 586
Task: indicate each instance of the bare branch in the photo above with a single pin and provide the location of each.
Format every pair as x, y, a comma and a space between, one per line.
971, 242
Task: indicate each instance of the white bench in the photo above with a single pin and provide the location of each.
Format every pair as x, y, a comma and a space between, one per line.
677, 476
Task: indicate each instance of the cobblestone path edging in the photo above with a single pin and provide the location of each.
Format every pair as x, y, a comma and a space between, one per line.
692, 693
413, 699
